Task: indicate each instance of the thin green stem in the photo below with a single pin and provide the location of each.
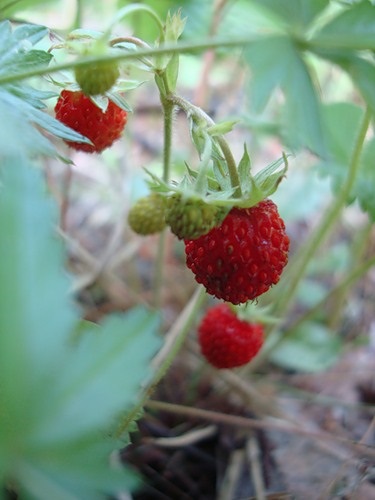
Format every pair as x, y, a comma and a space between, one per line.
164, 359
77, 23
159, 270
168, 48
275, 339
199, 115
167, 152
307, 252
342, 286
358, 251
168, 108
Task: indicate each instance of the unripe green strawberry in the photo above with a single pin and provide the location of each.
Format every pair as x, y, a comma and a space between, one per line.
190, 218
147, 215
96, 78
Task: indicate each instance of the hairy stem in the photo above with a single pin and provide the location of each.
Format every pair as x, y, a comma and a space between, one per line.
164, 359
168, 108
200, 116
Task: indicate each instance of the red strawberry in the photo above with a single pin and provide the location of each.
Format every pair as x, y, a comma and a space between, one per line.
244, 256
225, 340
80, 113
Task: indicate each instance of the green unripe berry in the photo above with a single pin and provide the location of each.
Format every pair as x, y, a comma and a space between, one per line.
97, 78
191, 218
147, 215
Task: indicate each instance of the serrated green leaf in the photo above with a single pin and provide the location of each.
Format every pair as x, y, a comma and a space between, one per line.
5, 33
55, 446
16, 131
123, 345
15, 53
20, 104
362, 73
34, 325
350, 29
32, 96
311, 348
302, 117
298, 13
10, 7
28, 114
23, 62
268, 72
80, 469
302, 121
31, 33
340, 140
365, 185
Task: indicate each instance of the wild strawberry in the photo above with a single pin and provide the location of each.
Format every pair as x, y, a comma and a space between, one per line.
190, 218
147, 215
225, 340
244, 256
96, 78
80, 113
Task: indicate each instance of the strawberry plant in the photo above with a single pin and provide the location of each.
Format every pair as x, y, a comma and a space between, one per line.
263, 287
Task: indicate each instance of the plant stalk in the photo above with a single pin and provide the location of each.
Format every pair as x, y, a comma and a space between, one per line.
168, 108
200, 116
165, 357
307, 252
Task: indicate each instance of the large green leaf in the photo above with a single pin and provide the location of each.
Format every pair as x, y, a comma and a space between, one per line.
311, 348
10, 7
16, 44
298, 13
354, 28
58, 397
290, 72
365, 185
362, 73
20, 104
340, 123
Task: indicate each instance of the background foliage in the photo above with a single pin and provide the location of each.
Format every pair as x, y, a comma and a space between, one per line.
66, 383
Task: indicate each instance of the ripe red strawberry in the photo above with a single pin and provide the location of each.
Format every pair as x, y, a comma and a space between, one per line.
225, 340
96, 78
78, 112
244, 256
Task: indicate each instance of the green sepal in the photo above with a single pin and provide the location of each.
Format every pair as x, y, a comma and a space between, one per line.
222, 128
253, 313
171, 71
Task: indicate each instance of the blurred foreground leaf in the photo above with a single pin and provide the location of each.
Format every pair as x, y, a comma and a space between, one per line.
58, 398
